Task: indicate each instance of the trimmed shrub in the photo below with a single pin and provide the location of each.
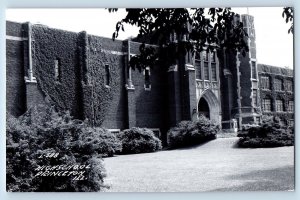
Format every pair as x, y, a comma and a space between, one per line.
98, 140
188, 133
41, 132
139, 140
269, 134
245, 128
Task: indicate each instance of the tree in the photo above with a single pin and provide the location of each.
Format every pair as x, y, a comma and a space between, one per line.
288, 14
177, 31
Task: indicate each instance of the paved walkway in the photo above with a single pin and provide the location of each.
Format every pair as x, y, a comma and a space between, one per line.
215, 166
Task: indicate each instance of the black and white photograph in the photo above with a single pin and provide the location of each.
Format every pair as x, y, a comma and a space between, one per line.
150, 99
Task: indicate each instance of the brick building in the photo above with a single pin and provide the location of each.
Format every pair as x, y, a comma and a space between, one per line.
90, 76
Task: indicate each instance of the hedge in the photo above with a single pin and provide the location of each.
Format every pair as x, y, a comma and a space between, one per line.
139, 140
42, 131
188, 133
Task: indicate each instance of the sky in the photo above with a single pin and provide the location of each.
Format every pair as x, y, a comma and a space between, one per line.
274, 44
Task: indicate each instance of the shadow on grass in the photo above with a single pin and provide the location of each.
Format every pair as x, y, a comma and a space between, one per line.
278, 179
188, 147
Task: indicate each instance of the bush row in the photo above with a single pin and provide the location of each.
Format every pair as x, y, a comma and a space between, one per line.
43, 131
270, 133
188, 133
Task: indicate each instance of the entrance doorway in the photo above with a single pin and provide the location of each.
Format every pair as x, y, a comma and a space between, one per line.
209, 106
203, 108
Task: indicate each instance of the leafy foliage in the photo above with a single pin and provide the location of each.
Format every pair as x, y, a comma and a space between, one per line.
49, 45
81, 88
269, 134
179, 30
42, 131
139, 140
98, 140
288, 14
189, 133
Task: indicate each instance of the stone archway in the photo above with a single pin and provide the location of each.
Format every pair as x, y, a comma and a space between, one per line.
203, 108
209, 105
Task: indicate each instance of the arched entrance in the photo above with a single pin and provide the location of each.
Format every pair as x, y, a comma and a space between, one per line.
203, 108
209, 106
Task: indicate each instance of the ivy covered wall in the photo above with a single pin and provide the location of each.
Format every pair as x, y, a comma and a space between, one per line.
102, 87
49, 45
71, 72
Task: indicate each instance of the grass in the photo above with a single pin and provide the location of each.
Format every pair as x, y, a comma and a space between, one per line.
213, 166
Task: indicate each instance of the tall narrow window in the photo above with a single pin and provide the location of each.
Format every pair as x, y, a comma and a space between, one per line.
265, 82
253, 66
279, 105
278, 84
291, 106
147, 84
206, 71
205, 56
254, 96
213, 72
57, 70
107, 75
267, 106
213, 57
197, 65
289, 86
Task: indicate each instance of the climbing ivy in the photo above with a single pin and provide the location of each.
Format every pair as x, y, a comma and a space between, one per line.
81, 87
97, 95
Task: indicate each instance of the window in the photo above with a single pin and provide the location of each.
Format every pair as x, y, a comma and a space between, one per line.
291, 106
57, 70
147, 84
267, 105
265, 82
213, 71
289, 85
213, 57
198, 69
278, 84
197, 65
279, 105
205, 56
254, 97
107, 75
253, 66
206, 71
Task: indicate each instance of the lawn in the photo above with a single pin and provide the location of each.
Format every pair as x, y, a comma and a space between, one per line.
215, 166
